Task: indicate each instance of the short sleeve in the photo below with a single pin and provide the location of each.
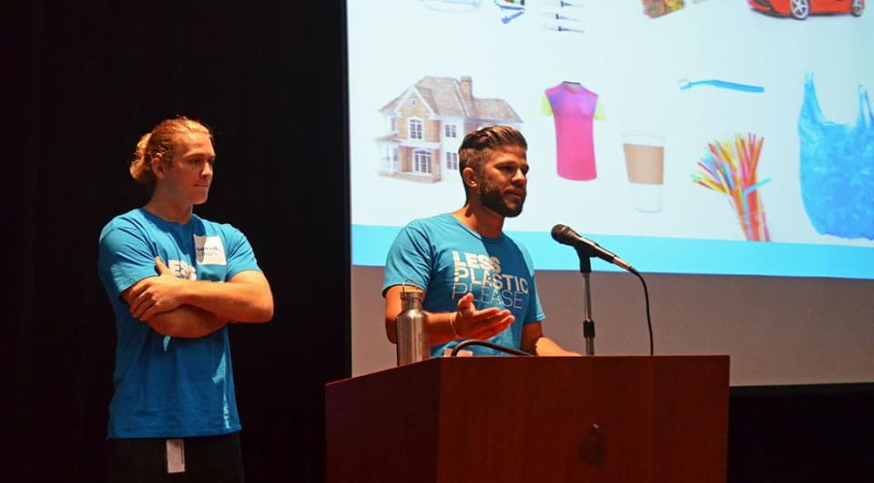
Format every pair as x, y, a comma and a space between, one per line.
241, 256
125, 257
410, 258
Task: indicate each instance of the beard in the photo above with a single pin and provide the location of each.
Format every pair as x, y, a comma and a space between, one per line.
493, 198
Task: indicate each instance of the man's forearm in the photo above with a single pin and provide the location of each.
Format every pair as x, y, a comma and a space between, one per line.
246, 298
186, 321
544, 346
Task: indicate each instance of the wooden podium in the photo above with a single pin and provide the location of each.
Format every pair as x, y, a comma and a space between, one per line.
532, 419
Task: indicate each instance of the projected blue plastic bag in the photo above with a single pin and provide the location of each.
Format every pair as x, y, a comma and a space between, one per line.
837, 168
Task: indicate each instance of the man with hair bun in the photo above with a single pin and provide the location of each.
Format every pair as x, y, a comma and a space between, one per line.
175, 281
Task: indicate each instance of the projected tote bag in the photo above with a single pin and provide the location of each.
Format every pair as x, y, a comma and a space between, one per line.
837, 168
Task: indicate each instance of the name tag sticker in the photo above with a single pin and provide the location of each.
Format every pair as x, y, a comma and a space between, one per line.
210, 250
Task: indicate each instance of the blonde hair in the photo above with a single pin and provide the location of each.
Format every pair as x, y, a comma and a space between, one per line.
160, 143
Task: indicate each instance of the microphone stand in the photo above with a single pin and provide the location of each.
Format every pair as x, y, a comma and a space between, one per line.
588, 323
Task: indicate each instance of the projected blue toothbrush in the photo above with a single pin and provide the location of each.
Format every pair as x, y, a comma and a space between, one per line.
687, 84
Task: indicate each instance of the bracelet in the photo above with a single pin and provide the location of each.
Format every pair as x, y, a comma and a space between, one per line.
452, 324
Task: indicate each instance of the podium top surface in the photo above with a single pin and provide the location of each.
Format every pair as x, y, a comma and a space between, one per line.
548, 364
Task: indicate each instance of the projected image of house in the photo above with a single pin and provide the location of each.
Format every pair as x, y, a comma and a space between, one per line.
426, 123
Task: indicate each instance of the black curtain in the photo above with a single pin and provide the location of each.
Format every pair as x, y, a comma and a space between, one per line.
84, 81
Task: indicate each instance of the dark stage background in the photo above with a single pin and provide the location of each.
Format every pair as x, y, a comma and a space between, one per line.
85, 81
88, 79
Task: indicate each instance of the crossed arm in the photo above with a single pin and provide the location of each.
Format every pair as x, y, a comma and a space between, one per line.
179, 307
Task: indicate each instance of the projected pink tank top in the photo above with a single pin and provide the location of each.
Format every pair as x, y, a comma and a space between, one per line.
574, 108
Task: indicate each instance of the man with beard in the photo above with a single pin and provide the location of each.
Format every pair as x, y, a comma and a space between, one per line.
478, 282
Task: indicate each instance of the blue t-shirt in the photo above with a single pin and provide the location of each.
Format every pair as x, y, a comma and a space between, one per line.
166, 386
448, 260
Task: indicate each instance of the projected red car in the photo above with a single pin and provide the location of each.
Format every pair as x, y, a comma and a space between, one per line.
801, 9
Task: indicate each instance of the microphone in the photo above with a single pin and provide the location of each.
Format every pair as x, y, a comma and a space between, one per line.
564, 235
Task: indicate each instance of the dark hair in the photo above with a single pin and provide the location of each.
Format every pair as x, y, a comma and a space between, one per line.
159, 143
479, 145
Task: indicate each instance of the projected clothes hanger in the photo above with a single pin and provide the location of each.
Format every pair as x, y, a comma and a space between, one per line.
687, 84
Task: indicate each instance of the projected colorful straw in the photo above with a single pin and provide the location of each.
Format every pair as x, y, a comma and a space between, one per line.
730, 168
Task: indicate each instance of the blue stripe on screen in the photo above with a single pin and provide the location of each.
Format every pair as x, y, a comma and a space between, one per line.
665, 255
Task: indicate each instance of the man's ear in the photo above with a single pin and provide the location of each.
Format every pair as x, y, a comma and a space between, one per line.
158, 167
469, 177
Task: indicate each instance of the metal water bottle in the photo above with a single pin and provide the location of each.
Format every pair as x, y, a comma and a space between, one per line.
414, 342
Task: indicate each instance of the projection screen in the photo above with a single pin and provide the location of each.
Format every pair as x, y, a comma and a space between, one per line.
724, 148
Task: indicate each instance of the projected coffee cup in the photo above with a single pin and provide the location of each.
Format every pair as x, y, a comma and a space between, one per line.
644, 162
